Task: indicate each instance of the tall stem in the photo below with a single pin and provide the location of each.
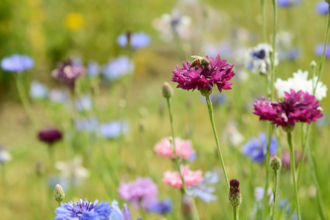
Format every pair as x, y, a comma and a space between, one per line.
275, 192
235, 213
274, 48
293, 170
265, 199
210, 108
263, 21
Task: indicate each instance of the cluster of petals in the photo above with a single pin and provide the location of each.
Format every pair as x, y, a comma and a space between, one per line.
296, 107
67, 73
190, 177
183, 148
217, 73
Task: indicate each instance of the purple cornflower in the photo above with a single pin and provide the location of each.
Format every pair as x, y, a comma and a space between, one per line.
113, 129
50, 136
83, 210
139, 192
296, 107
322, 8
118, 214
67, 73
17, 63
160, 207
38, 90
318, 49
117, 68
256, 148
287, 3
204, 78
135, 40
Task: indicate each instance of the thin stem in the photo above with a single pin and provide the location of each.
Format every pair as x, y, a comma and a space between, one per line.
293, 170
210, 108
274, 49
275, 192
263, 21
59, 204
235, 213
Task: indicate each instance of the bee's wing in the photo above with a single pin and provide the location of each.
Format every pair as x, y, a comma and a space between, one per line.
196, 57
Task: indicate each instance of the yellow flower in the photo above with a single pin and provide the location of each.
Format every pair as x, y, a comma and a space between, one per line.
74, 21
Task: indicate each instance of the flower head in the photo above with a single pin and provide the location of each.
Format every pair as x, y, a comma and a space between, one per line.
17, 63
114, 129
87, 124
190, 177
4, 155
161, 207
50, 136
234, 197
74, 21
318, 49
84, 103
296, 107
117, 68
287, 3
83, 210
183, 148
93, 68
138, 192
259, 194
38, 90
135, 40
118, 214
256, 148
67, 73
204, 78
322, 8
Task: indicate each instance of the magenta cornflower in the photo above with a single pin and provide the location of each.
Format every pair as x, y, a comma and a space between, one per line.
190, 177
204, 77
296, 107
183, 148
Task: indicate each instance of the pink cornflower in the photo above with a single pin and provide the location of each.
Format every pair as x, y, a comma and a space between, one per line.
190, 177
202, 77
183, 148
296, 107
67, 73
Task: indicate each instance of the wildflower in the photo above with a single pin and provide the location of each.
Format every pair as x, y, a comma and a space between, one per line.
190, 177
138, 192
205, 189
234, 197
74, 21
58, 96
135, 40
167, 90
67, 73
84, 103
59, 194
296, 107
256, 148
183, 148
232, 135
275, 163
300, 82
287, 3
87, 124
259, 194
93, 69
203, 78
160, 207
4, 155
117, 68
17, 63
318, 49
38, 90
322, 8
113, 129
72, 169
50, 136
83, 210
118, 214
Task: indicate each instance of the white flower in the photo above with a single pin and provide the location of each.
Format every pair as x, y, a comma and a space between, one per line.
4, 155
231, 134
72, 168
300, 82
258, 59
259, 194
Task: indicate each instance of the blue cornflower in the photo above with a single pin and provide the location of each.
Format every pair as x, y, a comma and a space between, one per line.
287, 3
113, 129
256, 148
93, 68
137, 40
76, 61
38, 90
205, 189
322, 8
87, 124
83, 210
84, 103
160, 207
291, 54
17, 63
117, 68
58, 96
318, 49
118, 214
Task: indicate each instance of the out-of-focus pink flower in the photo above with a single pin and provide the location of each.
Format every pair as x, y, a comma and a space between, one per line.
296, 107
190, 177
67, 73
183, 148
286, 158
217, 73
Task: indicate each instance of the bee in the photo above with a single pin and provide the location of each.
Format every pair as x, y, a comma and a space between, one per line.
200, 62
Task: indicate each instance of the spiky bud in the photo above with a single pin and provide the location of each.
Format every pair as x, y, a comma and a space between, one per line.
206, 92
167, 90
59, 194
275, 163
234, 197
288, 128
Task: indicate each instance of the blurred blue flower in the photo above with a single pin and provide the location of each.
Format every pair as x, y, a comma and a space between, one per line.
83, 210
76, 61
113, 129
4, 155
87, 124
294, 214
118, 214
160, 207
322, 7
38, 90
256, 148
84, 103
204, 190
287, 3
58, 96
54, 180
117, 68
17, 63
318, 49
291, 54
93, 69
224, 48
138, 40
216, 99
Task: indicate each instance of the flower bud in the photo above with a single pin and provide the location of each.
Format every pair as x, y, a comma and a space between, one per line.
167, 90
234, 197
313, 64
59, 194
288, 128
187, 207
275, 163
206, 92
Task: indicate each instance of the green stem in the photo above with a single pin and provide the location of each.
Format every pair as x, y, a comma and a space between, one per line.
293, 170
59, 204
265, 199
263, 21
275, 192
210, 108
274, 48
235, 213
